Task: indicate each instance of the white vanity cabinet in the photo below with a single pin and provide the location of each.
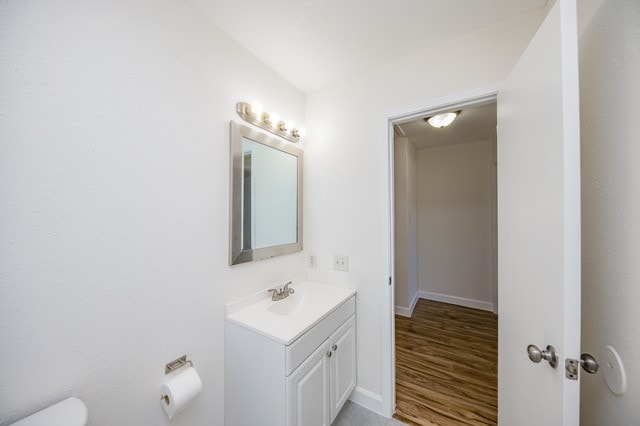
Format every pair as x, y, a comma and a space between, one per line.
318, 389
304, 382
342, 366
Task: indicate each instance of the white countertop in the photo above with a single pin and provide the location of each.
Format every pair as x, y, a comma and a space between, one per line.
287, 319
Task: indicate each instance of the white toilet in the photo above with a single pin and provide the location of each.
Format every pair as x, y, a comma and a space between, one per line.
70, 412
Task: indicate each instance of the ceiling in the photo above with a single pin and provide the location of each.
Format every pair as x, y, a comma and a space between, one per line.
314, 43
471, 125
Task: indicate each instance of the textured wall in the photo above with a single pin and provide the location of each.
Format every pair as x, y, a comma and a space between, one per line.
610, 107
114, 178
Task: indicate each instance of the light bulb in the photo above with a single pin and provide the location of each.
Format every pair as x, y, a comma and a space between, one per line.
256, 109
274, 120
288, 126
302, 132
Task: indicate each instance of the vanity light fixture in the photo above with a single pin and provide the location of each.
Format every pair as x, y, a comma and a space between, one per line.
442, 120
287, 126
256, 109
271, 122
273, 119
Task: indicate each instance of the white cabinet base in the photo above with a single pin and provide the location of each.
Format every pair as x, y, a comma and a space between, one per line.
261, 389
308, 391
343, 365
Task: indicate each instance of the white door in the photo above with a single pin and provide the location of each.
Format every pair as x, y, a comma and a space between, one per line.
343, 365
539, 225
308, 391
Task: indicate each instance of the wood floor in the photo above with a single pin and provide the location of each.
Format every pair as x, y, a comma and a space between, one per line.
447, 365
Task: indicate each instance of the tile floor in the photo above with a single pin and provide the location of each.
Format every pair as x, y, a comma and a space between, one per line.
353, 414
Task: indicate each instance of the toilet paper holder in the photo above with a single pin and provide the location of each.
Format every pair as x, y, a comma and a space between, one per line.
173, 366
177, 363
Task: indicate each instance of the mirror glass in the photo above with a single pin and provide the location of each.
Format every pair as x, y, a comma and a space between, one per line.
266, 196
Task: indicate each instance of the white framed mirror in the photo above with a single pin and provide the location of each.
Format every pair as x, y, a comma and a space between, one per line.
266, 196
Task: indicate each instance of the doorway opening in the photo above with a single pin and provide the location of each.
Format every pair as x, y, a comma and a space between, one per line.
445, 266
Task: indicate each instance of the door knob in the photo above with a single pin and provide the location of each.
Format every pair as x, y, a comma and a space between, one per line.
550, 354
589, 363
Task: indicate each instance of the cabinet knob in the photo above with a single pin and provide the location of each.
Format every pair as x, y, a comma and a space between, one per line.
329, 354
335, 347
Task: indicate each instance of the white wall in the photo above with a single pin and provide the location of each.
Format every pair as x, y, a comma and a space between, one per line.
346, 152
114, 162
610, 106
406, 226
455, 235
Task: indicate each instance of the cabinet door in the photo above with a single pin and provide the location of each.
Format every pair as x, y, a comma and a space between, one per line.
343, 365
308, 391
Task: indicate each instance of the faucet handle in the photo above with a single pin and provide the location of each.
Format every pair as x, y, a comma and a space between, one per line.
287, 289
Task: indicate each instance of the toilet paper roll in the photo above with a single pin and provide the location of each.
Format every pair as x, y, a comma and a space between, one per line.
178, 392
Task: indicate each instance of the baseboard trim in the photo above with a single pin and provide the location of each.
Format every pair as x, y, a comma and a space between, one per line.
367, 399
403, 312
407, 312
454, 300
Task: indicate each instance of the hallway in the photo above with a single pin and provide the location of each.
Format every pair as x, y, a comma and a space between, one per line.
446, 365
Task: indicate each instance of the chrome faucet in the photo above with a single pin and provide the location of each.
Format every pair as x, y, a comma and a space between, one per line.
279, 294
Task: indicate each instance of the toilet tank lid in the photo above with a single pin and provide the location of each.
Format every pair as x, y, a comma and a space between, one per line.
70, 412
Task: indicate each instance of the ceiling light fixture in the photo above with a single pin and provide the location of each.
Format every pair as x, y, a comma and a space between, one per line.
254, 114
442, 120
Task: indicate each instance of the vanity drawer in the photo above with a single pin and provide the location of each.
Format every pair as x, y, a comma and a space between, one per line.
299, 350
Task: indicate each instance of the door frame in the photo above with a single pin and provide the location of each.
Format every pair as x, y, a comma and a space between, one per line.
401, 115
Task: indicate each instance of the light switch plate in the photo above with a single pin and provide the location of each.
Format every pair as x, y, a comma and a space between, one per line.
312, 260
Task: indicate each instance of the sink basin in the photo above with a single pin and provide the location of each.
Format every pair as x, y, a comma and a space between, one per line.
287, 319
291, 305
305, 296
